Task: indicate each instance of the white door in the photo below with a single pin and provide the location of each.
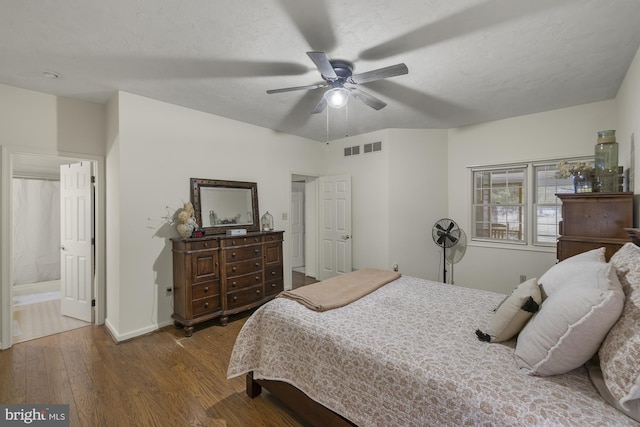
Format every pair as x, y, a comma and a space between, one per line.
297, 224
76, 247
335, 226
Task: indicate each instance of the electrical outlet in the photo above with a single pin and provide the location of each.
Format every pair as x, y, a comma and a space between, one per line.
169, 292
395, 267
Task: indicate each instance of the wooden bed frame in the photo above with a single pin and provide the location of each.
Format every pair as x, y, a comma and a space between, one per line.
306, 408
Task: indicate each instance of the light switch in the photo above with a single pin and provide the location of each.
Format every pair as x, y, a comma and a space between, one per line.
284, 216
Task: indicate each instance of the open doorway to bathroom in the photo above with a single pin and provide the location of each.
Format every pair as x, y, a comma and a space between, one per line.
303, 230
35, 248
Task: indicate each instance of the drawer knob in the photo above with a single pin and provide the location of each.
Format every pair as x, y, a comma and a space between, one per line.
206, 304
234, 269
206, 289
257, 278
255, 250
233, 242
257, 264
258, 291
235, 298
273, 273
233, 254
206, 245
273, 285
233, 284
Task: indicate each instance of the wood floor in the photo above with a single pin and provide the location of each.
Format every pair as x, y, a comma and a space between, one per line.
162, 379
40, 319
299, 279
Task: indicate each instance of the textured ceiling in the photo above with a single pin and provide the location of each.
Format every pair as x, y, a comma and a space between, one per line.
470, 61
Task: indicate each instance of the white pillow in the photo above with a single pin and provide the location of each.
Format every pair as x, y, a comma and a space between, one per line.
513, 313
579, 267
571, 324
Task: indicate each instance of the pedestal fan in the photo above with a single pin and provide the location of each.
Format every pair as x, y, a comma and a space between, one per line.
446, 234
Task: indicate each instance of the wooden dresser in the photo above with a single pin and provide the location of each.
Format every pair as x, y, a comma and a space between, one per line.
219, 275
593, 220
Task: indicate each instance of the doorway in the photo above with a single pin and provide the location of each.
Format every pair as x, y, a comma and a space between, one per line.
303, 230
35, 250
31, 287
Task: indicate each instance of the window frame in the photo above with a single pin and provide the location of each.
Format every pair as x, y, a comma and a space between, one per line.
523, 205
530, 204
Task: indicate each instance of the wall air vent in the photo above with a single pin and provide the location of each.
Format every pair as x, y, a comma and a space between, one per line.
352, 151
373, 146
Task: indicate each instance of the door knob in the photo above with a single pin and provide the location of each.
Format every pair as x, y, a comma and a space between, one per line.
346, 237
61, 247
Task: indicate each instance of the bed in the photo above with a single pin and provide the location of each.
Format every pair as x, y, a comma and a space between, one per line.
408, 354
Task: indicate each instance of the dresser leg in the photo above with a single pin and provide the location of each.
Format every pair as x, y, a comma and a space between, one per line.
188, 331
224, 320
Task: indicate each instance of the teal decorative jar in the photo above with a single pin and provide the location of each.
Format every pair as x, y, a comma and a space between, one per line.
606, 162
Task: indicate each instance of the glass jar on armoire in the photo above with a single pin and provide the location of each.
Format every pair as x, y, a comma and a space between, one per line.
606, 162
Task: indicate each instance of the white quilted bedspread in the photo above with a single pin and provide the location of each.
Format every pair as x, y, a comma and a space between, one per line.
407, 355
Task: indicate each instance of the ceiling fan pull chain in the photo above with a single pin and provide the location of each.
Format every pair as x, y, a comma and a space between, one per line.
327, 127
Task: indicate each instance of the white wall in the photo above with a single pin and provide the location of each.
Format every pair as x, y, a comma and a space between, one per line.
369, 196
628, 103
549, 135
397, 195
159, 148
417, 199
38, 123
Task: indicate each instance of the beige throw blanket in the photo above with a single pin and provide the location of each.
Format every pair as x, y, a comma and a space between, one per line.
340, 290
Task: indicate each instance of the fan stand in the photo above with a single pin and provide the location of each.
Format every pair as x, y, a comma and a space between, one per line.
444, 263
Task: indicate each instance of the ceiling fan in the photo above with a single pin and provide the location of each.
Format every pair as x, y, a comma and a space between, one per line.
337, 74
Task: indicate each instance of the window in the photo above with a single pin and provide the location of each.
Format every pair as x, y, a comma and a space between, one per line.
546, 206
499, 204
501, 207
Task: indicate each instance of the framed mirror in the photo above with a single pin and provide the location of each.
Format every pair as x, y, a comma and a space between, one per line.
223, 205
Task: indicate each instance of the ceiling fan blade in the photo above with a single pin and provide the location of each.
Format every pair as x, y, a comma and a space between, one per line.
323, 64
322, 104
368, 99
289, 89
466, 21
380, 73
312, 21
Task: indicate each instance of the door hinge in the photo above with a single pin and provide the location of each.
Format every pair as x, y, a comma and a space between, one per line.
93, 241
93, 303
93, 179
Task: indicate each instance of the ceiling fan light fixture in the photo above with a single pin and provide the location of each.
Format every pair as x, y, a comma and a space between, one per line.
337, 97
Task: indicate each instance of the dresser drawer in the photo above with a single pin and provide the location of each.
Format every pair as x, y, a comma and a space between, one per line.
274, 287
244, 297
244, 253
246, 281
202, 245
273, 273
205, 305
272, 237
204, 290
240, 241
244, 267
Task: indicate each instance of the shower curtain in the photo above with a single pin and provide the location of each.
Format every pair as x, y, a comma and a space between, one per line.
36, 230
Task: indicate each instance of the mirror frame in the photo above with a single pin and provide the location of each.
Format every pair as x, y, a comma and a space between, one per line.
198, 183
